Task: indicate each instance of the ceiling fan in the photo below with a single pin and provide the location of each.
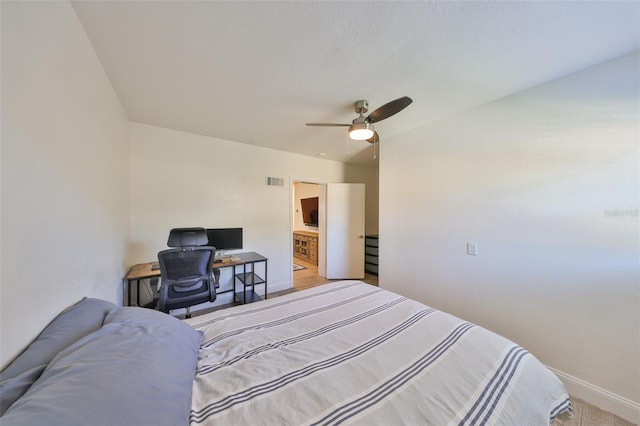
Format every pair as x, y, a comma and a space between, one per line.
361, 128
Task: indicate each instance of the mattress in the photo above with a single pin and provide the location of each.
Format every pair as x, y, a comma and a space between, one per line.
349, 352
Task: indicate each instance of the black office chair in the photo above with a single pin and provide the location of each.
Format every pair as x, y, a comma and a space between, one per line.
186, 270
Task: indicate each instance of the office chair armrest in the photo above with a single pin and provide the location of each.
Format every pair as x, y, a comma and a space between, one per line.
215, 277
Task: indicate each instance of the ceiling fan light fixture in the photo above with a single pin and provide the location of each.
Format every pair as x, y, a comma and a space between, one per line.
361, 128
361, 131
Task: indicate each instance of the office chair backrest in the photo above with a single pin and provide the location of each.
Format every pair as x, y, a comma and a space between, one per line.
185, 266
186, 270
187, 238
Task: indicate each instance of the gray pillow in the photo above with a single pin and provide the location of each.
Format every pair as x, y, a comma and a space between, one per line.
12, 389
75, 322
138, 369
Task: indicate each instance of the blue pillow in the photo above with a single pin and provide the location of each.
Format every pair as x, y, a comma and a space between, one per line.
138, 369
75, 322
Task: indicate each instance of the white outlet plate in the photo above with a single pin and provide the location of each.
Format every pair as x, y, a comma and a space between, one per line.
472, 249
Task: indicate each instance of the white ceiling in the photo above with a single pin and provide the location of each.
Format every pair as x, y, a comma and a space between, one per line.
256, 72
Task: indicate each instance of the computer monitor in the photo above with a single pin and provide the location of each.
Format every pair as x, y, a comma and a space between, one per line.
225, 238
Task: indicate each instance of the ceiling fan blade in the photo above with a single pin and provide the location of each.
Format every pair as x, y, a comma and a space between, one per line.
329, 124
374, 139
389, 109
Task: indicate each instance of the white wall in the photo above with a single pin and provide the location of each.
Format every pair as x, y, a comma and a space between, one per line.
182, 179
64, 172
547, 183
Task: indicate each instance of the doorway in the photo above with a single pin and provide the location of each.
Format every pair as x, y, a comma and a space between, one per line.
307, 238
327, 232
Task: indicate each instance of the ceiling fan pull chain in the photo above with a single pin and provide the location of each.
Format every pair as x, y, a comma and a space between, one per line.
375, 144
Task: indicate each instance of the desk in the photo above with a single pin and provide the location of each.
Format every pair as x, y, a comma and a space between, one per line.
248, 277
138, 272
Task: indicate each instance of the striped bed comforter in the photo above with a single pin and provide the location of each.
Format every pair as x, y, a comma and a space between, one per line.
354, 353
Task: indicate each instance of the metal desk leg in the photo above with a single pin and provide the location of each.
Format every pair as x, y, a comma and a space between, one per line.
233, 278
129, 292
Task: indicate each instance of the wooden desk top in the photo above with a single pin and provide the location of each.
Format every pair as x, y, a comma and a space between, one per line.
143, 270
227, 261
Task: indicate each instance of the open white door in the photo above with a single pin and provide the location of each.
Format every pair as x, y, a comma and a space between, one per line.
345, 231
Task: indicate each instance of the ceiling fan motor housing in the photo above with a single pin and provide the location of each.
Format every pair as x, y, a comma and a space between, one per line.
361, 106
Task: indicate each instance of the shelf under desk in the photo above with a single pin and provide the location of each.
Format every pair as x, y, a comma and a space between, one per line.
249, 278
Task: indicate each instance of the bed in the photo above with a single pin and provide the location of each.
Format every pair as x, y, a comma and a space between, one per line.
345, 352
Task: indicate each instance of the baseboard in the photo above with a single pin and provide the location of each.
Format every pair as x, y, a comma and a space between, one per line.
601, 398
279, 286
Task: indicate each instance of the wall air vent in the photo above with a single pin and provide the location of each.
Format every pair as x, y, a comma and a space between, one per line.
274, 181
